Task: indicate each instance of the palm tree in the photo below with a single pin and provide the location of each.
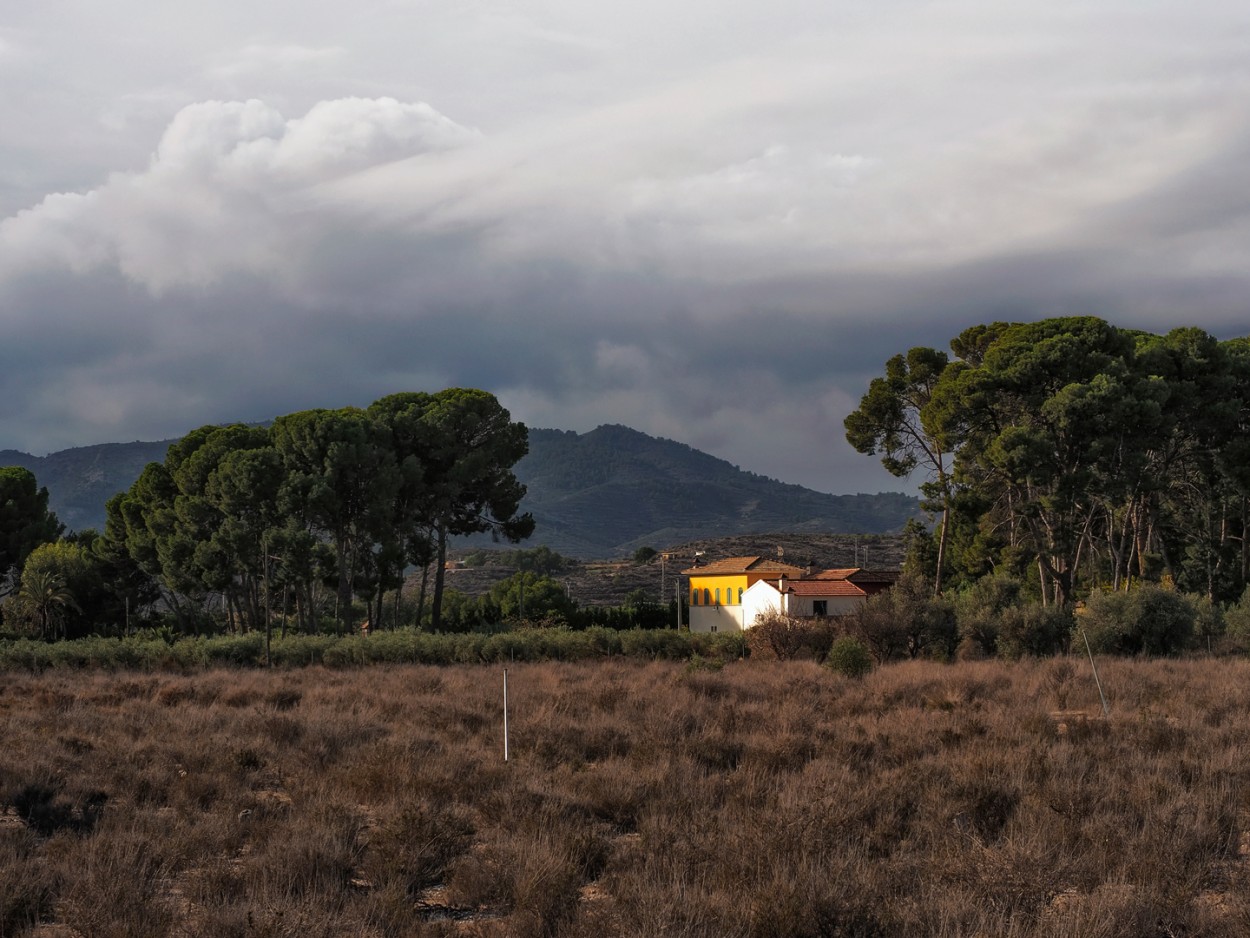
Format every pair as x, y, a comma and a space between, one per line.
43, 597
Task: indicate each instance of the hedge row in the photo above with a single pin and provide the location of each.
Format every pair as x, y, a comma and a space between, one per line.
400, 646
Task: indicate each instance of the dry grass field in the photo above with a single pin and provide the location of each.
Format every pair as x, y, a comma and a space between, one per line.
642, 799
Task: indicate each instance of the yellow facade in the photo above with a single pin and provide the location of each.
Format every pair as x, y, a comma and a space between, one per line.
718, 589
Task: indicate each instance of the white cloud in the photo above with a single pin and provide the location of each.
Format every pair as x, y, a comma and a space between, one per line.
223, 193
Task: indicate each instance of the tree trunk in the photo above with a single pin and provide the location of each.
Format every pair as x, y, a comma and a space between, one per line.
941, 554
343, 600
425, 582
436, 610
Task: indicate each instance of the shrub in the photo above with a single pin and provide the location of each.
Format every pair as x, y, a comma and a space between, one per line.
979, 610
236, 649
784, 638
1237, 622
723, 645
645, 555
849, 656
1034, 629
1148, 620
661, 643
906, 621
303, 649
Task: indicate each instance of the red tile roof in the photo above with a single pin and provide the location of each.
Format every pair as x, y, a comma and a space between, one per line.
856, 575
819, 588
841, 573
740, 565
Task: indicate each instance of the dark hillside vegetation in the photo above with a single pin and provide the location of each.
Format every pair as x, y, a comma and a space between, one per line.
82, 479
610, 491
642, 800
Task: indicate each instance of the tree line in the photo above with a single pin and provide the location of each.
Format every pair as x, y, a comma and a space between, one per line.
1072, 455
308, 515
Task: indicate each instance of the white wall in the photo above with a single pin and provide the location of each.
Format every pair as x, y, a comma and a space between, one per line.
716, 618
763, 598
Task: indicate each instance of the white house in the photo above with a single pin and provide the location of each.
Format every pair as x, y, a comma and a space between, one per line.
827, 593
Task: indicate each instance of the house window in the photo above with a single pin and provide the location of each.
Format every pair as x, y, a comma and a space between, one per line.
707, 596
739, 595
718, 595
820, 607
694, 597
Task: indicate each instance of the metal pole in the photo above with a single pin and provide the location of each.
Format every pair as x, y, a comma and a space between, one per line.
505, 714
1106, 711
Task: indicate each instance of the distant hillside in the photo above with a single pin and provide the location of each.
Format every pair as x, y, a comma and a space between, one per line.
81, 480
593, 495
612, 490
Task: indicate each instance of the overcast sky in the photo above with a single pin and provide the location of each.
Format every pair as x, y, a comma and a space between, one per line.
711, 221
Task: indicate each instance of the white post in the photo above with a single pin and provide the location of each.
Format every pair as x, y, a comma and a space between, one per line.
505, 714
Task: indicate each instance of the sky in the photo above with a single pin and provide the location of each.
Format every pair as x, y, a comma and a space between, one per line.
710, 221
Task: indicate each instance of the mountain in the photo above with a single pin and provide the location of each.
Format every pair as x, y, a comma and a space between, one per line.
593, 495
81, 480
607, 492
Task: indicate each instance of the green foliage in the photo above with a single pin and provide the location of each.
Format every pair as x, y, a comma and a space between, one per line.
1083, 455
899, 419
979, 611
151, 651
1034, 630
905, 621
1209, 624
850, 657
921, 550
526, 595
645, 555
338, 500
639, 612
25, 521
1237, 620
455, 451
541, 559
42, 604
94, 583
1147, 620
